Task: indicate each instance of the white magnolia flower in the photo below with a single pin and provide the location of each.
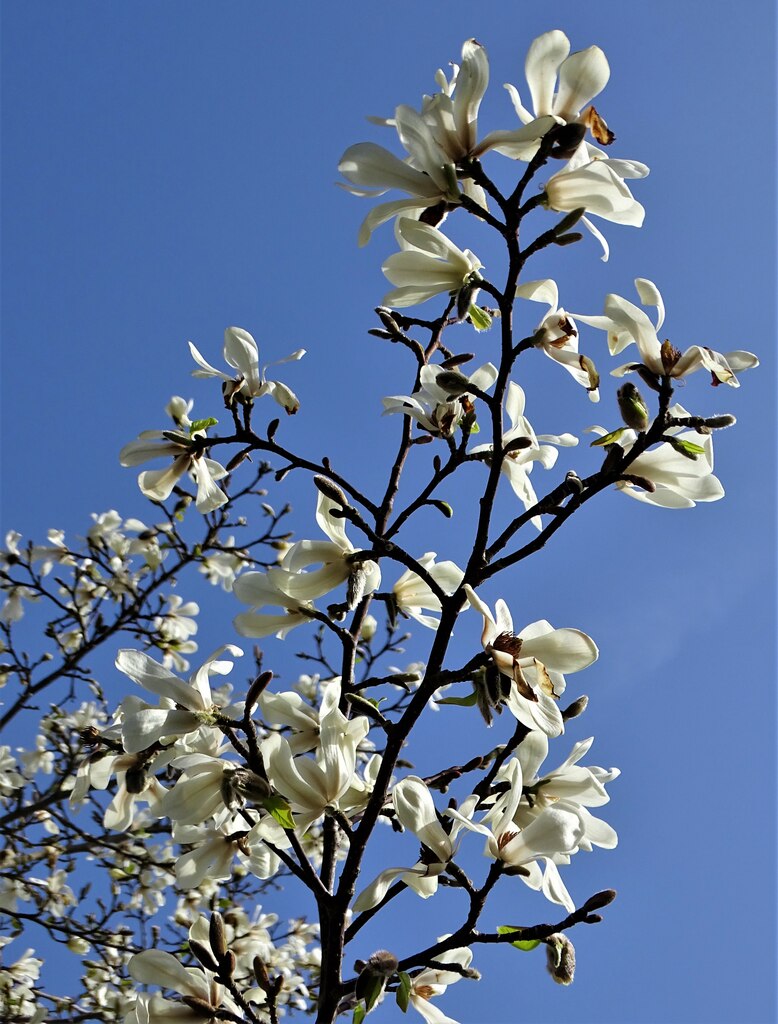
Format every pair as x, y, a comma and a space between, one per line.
311, 784
561, 86
516, 465
433, 982
186, 705
436, 409
679, 481
241, 353
625, 323
259, 591
208, 787
599, 189
428, 264
442, 136
536, 660
557, 335
555, 831
414, 596
337, 558
158, 484
415, 810
155, 967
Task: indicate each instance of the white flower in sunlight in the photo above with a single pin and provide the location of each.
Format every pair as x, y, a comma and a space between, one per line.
209, 787
156, 967
311, 784
517, 463
338, 562
415, 810
186, 705
555, 831
433, 982
440, 410
626, 324
414, 596
242, 354
257, 590
679, 481
158, 484
428, 264
535, 660
557, 335
581, 76
597, 188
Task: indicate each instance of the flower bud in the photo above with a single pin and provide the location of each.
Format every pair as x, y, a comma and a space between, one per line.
560, 958
203, 954
453, 383
369, 627
599, 900
330, 490
382, 962
575, 709
632, 407
720, 422
216, 934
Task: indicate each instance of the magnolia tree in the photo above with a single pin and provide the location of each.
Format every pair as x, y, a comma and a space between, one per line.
149, 838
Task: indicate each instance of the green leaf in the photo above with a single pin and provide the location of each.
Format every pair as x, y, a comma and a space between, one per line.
196, 425
479, 318
279, 809
359, 1014
374, 990
611, 438
474, 428
525, 944
462, 702
403, 994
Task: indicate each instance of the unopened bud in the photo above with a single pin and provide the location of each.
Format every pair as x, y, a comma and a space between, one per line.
599, 900
201, 1006
228, 964
369, 627
465, 299
569, 239
135, 779
356, 583
216, 935
331, 490
569, 221
382, 962
453, 383
649, 378
632, 407
574, 482
257, 688
204, 955
720, 422
575, 709
388, 320
452, 361
249, 785
260, 973
639, 481
560, 958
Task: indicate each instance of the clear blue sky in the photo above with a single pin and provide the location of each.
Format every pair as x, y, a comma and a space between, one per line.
168, 170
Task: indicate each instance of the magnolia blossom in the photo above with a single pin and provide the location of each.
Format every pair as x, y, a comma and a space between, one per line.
439, 138
535, 659
337, 558
186, 706
581, 76
679, 481
597, 188
155, 967
329, 778
516, 465
625, 323
414, 596
157, 484
433, 982
415, 810
440, 410
259, 591
241, 353
557, 335
554, 831
429, 264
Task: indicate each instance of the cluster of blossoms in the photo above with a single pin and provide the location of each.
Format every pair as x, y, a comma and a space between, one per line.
217, 792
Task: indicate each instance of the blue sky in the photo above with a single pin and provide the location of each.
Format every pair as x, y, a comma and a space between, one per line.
168, 170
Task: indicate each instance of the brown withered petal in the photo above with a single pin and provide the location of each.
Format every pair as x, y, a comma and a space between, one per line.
522, 685
599, 128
